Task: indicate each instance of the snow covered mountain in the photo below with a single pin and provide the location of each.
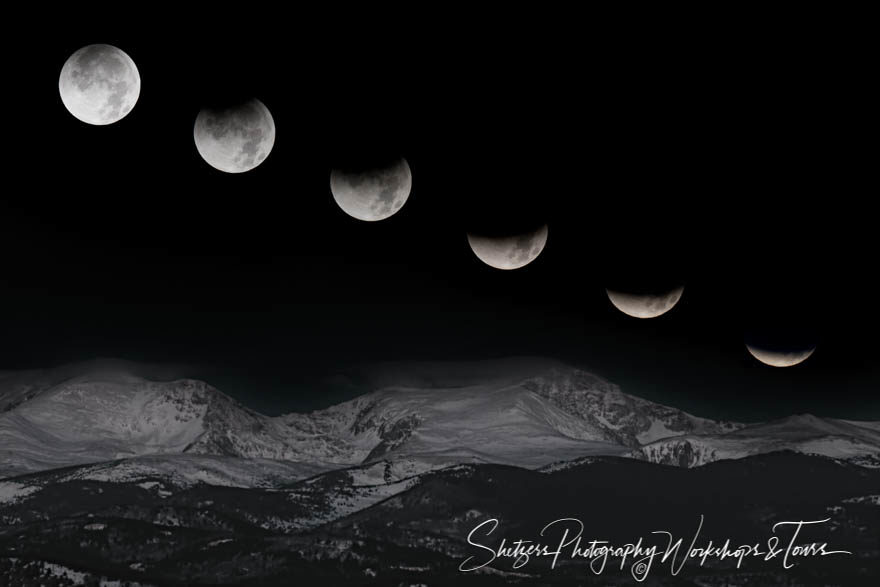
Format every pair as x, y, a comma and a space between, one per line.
114, 472
522, 412
103, 411
620, 418
852, 441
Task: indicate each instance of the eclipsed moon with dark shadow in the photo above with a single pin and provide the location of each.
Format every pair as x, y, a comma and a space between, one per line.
509, 252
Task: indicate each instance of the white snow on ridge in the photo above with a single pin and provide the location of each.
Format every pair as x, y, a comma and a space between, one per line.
565, 465
527, 413
862, 424
694, 451
187, 470
619, 417
11, 492
658, 430
108, 416
340, 504
508, 425
866, 499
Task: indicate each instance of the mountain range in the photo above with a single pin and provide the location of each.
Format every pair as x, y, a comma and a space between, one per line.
114, 472
524, 412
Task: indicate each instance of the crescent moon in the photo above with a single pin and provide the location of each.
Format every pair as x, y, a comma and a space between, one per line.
510, 252
780, 359
644, 305
373, 194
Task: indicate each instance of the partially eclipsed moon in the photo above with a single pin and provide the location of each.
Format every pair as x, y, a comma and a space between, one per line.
236, 139
644, 305
99, 84
374, 194
778, 358
510, 252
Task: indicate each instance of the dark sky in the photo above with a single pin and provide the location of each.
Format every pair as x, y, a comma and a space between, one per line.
732, 163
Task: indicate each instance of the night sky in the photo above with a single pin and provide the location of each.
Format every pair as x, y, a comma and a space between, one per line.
732, 164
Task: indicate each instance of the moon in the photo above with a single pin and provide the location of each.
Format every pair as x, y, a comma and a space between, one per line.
644, 305
235, 139
778, 358
510, 252
374, 194
99, 84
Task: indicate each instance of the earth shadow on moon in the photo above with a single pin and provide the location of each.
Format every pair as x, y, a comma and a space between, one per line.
235, 138
373, 188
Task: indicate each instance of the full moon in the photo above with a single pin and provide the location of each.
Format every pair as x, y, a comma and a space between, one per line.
510, 252
235, 139
373, 194
778, 358
644, 305
99, 84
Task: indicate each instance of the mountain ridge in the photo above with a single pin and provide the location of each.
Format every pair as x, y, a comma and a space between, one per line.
535, 413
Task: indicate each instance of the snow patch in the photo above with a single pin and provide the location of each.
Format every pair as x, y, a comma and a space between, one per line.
11, 492
866, 499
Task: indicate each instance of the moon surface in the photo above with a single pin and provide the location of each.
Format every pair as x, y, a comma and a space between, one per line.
374, 194
99, 84
510, 252
778, 358
235, 139
644, 305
